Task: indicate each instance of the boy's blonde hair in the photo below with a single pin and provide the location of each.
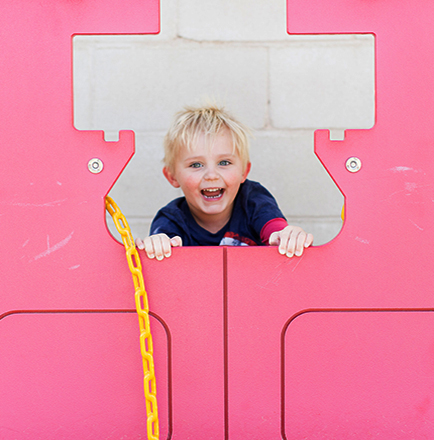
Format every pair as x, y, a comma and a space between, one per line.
190, 123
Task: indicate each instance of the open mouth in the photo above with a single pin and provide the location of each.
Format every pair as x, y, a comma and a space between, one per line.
212, 193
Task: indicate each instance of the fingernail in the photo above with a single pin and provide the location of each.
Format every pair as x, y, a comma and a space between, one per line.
167, 255
298, 253
159, 257
282, 251
289, 254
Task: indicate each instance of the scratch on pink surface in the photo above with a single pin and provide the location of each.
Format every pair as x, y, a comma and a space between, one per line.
54, 248
298, 262
74, 267
414, 224
39, 205
362, 240
401, 169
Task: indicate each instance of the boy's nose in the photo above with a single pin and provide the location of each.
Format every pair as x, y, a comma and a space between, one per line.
211, 173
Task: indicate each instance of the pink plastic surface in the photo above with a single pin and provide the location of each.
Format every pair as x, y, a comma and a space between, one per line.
248, 345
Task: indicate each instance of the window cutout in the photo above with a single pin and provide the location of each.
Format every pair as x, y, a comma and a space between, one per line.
337, 135
284, 90
111, 136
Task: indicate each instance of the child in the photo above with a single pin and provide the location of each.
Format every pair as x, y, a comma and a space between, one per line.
207, 156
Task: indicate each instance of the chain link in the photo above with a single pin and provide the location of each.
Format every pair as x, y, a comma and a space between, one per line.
141, 299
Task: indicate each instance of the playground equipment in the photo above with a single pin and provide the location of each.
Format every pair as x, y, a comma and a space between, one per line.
142, 308
248, 345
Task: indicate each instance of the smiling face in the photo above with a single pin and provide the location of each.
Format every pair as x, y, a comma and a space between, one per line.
209, 177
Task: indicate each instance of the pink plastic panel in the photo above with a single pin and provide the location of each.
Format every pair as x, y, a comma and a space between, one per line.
93, 357
301, 332
76, 376
187, 292
370, 372
248, 344
51, 206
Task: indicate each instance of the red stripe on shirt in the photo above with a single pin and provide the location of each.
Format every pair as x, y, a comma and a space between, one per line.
274, 225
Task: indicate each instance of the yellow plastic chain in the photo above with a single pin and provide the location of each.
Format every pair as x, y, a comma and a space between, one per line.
142, 308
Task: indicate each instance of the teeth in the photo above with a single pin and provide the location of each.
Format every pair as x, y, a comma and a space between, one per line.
212, 193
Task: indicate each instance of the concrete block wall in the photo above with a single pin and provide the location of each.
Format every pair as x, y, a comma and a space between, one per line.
236, 53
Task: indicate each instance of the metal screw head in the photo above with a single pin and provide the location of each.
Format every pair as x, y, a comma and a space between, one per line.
95, 165
353, 164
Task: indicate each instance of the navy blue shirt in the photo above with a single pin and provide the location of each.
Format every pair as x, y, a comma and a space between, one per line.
254, 206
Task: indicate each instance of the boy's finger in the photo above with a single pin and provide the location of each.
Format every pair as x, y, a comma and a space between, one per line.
285, 238
176, 241
292, 244
148, 245
309, 240
299, 247
139, 243
274, 239
166, 245
158, 248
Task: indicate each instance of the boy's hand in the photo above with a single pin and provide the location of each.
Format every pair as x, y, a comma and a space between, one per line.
291, 240
158, 246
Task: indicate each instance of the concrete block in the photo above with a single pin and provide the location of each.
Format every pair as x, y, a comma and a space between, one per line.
168, 20
133, 85
229, 20
141, 187
285, 163
323, 85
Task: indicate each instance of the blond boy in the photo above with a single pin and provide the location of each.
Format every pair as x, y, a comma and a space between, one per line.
207, 156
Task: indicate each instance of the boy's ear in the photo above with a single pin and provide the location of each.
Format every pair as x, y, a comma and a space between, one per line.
246, 172
170, 177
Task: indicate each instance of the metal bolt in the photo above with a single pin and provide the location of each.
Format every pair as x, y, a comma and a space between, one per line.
353, 164
95, 165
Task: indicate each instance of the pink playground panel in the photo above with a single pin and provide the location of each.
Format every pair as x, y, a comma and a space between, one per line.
248, 345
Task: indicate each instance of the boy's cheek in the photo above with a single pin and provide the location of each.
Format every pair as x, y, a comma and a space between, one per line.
191, 184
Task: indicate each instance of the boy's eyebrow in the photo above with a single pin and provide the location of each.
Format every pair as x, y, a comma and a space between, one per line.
190, 158
227, 155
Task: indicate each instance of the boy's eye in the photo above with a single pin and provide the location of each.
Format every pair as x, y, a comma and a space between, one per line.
224, 162
196, 165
